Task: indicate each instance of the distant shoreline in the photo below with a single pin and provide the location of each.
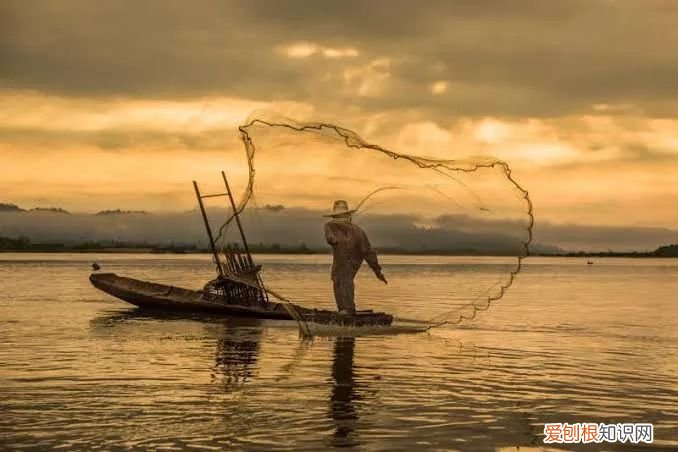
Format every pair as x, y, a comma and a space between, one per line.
635, 255
25, 245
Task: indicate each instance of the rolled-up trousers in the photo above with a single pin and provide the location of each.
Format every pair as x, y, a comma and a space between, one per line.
344, 293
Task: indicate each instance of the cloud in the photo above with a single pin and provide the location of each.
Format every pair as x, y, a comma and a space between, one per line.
293, 226
89, 153
307, 49
370, 79
288, 227
514, 60
604, 238
439, 87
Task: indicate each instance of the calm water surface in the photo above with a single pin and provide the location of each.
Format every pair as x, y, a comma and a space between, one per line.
569, 343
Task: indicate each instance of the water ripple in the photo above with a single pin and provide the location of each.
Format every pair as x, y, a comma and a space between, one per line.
80, 370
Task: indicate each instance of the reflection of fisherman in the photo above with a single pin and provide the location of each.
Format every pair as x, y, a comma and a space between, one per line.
342, 407
350, 246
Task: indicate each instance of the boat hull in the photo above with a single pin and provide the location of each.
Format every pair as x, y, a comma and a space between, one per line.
167, 298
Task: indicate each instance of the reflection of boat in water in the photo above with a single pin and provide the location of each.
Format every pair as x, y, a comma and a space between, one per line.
237, 350
237, 339
237, 291
236, 358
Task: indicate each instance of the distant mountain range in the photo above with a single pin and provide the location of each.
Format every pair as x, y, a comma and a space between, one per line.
295, 228
6, 207
121, 212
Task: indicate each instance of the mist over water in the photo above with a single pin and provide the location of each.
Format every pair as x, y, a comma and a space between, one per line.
568, 343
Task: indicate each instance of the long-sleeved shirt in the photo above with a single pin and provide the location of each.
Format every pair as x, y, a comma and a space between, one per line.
350, 247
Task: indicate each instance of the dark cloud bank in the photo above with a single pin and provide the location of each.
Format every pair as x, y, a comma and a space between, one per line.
292, 227
518, 58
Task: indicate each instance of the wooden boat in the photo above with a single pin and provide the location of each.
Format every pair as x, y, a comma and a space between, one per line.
235, 292
148, 295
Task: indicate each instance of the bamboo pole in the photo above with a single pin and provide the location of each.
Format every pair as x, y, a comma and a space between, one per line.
237, 218
220, 270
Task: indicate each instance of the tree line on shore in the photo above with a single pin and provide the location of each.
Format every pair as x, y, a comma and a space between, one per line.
24, 244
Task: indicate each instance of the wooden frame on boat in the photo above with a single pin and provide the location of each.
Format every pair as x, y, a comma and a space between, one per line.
238, 277
238, 289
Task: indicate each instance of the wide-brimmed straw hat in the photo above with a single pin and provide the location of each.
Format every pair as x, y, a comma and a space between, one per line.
340, 209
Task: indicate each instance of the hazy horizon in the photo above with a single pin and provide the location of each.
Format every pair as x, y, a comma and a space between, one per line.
293, 226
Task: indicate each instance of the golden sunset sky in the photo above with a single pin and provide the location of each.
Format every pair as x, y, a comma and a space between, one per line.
120, 104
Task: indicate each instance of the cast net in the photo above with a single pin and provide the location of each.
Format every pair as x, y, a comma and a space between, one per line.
451, 233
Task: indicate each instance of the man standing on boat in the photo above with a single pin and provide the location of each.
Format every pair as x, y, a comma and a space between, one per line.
350, 247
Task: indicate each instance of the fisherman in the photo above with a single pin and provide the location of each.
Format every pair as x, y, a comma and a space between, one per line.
350, 247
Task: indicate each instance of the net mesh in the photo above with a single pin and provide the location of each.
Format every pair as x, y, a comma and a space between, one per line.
407, 204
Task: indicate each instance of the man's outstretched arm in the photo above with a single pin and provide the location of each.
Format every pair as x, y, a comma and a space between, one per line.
371, 258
